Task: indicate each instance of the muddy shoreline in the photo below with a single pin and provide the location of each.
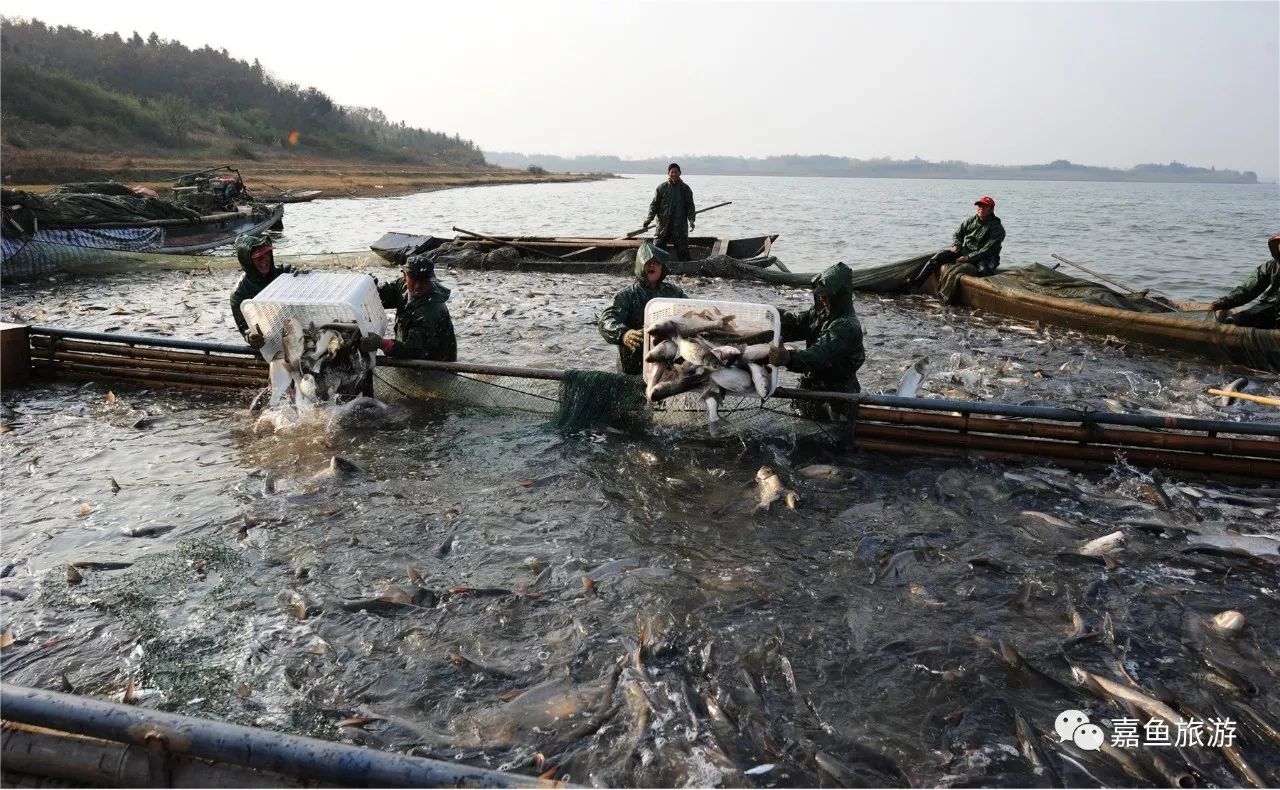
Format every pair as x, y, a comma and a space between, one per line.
35, 171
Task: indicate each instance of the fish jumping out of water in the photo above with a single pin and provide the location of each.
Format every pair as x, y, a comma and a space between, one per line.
771, 489
912, 379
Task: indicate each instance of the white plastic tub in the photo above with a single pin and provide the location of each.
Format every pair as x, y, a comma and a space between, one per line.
315, 298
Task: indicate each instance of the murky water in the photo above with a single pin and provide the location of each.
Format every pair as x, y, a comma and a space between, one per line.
435, 602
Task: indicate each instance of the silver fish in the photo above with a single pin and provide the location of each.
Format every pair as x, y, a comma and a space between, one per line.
690, 325
682, 378
1264, 547
821, 472
281, 378
909, 386
294, 342
1234, 386
771, 489
728, 355
666, 351
1103, 545
758, 352
1228, 623
761, 379
695, 353
734, 380
712, 398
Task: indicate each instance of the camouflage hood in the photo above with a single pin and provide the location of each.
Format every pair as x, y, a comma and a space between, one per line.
836, 283
650, 251
245, 245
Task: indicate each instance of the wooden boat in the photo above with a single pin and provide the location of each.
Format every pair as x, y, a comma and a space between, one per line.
579, 253
294, 196
1188, 330
53, 250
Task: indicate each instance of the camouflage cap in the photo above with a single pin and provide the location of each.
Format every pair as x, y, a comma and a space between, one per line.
419, 267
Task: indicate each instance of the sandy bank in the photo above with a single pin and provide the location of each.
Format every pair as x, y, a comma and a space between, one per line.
37, 171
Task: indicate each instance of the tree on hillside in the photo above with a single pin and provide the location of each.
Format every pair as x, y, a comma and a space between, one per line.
73, 88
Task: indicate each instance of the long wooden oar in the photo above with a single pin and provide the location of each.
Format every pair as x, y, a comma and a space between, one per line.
512, 244
638, 231
1245, 396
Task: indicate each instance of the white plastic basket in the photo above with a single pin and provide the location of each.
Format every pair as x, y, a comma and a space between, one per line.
747, 317
315, 298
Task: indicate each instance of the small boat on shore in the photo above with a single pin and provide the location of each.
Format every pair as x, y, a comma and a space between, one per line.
572, 254
35, 249
293, 196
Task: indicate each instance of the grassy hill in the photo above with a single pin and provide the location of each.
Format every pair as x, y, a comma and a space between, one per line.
69, 94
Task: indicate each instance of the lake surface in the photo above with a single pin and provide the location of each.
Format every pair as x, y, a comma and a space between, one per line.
434, 602
1189, 240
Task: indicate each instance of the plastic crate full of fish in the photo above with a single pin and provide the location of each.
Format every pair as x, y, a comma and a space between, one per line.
702, 355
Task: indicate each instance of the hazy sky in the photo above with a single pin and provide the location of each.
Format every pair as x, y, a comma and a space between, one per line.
1005, 83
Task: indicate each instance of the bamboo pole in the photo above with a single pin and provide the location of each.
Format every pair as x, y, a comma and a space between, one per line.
142, 340
1037, 412
42, 343
926, 438
223, 382
1082, 434
471, 367
1102, 277
511, 244
1245, 396
104, 360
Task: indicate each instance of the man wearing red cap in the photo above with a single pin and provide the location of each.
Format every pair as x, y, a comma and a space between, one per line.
977, 241
1263, 285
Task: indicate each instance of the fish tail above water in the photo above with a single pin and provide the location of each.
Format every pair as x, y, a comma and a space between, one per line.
909, 386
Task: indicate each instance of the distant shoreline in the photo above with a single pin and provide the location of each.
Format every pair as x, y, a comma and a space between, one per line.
837, 167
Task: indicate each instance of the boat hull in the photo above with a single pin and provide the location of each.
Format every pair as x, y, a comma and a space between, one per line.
1256, 348
575, 253
72, 250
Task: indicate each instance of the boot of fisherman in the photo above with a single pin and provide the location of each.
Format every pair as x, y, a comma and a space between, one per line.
1263, 285
257, 258
423, 329
833, 340
622, 323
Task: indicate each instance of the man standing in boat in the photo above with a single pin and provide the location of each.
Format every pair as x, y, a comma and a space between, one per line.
1263, 285
977, 241
673, 206
257, 258
424, 328
833, 341
622, 323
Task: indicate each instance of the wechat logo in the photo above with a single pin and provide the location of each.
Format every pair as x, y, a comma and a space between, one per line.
1074, 726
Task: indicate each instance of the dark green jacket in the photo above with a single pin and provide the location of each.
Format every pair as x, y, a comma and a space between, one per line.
833, 340
251, 284
673, 206
980, 241
424, 329
627, 312
1263, 285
